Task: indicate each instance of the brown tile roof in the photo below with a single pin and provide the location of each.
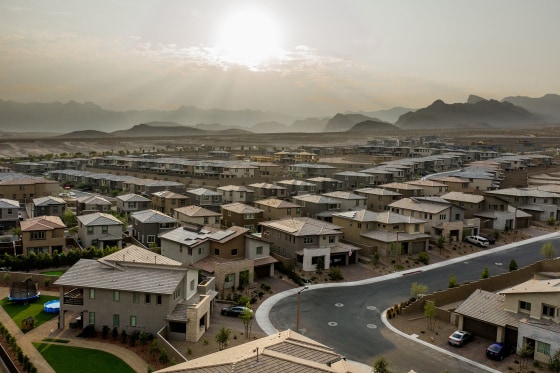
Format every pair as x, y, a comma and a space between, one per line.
41, 223
488, 307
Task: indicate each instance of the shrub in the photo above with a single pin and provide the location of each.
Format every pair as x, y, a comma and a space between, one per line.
89, 332
124, 336
115, 333
335, 274
424, 257
163, 356
104, 332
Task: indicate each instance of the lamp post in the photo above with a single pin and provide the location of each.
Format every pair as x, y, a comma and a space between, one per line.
297, 315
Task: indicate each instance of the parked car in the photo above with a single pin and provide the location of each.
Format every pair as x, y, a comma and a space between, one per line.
459, 338
235, 310
498, 351
491, 239
478, 241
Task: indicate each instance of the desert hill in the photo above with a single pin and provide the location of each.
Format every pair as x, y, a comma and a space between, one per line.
547, 106
373, 126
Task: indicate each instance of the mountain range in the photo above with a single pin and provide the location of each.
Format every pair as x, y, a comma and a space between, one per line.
90, 120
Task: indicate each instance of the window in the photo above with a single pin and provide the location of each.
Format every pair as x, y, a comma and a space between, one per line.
159, 300
307, 239
116, 321
104, 229
524, 306
289, 211
332, 239
151, 238
259, 250
133, 321
91, 293
206, 220
116, 296
200, 250
249, 216
442, 217
192, 284
234, 252
38, 235
55, 209
416, 227
548, 310
216, 251
91, 318
135, 298
89, 230
148, 299
543, 348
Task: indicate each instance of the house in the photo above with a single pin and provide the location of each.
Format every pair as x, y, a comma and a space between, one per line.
380, 232
9, 213
93, 203
43, 234
274, 209
166, 201
135, 289
441, 217
99, 230
542, 205
406, 190
306, 242
267, 190
295, 187
206, 198
215, 252
348, 200
326, 184
23, 188
431, 187
49, 205
471, 203
198, 216
276, 353
378, 199
317, 206
148, 224
353, 179
236, 193
129, 203
239, 214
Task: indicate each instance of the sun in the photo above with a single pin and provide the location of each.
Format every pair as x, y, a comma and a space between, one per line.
249, 37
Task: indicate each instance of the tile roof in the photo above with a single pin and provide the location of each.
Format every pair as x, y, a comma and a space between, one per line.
241, 208
236, 188
377, 191
41, 223
48, 200
8, 203
386, 217
534, 286
488, 307
344, 195
417, 204
152, 216
276, 203
195, 236
303, 226
463, 197
98, 218
131, 197
195, 211
137, 254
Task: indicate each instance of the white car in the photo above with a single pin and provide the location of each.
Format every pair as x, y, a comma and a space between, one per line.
478, 240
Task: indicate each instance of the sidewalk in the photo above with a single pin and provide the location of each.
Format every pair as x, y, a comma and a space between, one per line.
50, 330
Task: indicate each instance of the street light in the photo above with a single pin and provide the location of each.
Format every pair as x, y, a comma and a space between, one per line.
297, 316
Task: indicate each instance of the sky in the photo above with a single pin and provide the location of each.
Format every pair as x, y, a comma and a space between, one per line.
298, 57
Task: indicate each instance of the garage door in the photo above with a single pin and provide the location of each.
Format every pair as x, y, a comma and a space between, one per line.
480, 329
418, 246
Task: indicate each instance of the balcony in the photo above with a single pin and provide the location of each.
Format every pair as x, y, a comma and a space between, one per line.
74, 297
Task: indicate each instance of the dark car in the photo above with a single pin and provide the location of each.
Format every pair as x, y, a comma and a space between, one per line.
235, 310
491, 239
498, 351
459, 338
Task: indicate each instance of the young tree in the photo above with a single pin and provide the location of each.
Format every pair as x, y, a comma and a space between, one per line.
513, 265
554, 363
548, 250
247, 317
452, 281
416, 289
485, 273
223, 337
430, 313
381, 365
441, 242
154, 348
525, 353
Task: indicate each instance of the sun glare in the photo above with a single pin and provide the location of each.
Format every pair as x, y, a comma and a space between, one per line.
249, 38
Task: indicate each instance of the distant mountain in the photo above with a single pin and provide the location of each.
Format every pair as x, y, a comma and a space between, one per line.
158, 129
343, 122
73, 116
269, 127
473, 99
547, 106
308, 125
373, 126
387, 115
482, 113
89, 134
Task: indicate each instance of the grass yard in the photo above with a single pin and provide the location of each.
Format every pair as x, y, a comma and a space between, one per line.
20, 311
69, 359
53, 273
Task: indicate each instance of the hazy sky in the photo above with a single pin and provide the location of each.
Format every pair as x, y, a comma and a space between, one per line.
301, 57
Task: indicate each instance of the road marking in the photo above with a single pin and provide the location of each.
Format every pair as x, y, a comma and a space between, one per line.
339, 305
333, 323
372, 326
372, 308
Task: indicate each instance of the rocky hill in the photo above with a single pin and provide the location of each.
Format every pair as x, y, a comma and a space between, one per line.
468, 115
373, 126
343, 122
547, 106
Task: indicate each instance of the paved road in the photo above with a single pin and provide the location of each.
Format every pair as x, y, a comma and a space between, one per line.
348, 318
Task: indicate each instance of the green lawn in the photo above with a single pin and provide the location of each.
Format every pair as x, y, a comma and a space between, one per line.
20, 311
53, 273
69, 359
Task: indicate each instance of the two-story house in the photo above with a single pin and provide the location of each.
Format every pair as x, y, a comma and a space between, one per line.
198, 216
326, 184
129, 203
49, 205
348, 200
166, 201
317, 206
236, 193
275, 209
9, 213
43, 234
307, 243
93, 203
267, 190
99, 230
206, 198
297, 187
134, 289
147, 225
241, 215
378, 199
